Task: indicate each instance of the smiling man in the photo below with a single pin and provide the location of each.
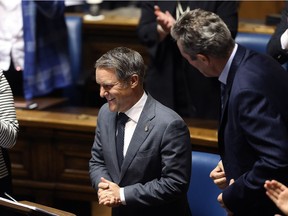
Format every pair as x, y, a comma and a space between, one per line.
146, 172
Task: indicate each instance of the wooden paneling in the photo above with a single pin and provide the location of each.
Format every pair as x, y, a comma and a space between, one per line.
50, 158
258, 10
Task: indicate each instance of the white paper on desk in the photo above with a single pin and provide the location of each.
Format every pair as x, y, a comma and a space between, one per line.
24, 207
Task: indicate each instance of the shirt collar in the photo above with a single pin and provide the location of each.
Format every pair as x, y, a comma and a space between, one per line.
135, 111
224, 74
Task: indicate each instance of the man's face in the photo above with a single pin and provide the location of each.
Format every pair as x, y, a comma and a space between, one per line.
117, 93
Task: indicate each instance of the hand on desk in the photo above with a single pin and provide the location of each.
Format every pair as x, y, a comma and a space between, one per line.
108, 193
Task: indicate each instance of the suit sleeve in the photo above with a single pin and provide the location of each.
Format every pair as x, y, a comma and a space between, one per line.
265, 133
274, 45
173, 181
97, 165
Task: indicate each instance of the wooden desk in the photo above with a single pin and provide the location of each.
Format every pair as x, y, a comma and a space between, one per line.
50, 158
255, 28
203, 134
41, 102
49, 209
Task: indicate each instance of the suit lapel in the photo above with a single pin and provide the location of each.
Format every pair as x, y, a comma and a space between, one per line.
112, 145
142, 130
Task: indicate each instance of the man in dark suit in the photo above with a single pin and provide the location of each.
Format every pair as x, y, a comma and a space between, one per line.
277, 46
253, 130
170, 79
154, 175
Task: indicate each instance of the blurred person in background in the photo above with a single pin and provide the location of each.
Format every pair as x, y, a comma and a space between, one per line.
34, 46
277, 46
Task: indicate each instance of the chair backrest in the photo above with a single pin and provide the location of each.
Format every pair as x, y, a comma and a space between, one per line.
254, 41
203, 193
74, 27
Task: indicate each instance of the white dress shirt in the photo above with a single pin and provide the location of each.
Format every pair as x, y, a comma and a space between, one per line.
11, 34
284, 40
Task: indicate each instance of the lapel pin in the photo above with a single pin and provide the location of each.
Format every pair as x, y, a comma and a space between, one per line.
146, 128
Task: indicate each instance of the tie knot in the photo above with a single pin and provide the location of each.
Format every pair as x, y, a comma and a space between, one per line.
122, 118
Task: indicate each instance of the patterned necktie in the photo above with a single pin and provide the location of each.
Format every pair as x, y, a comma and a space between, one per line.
121, 121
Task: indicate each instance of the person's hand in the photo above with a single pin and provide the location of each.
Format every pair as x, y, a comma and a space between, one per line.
218, 176
165, 22
221, 202
278, 193
108, 193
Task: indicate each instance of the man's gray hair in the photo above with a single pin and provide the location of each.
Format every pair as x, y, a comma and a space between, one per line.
202, 32
126, 62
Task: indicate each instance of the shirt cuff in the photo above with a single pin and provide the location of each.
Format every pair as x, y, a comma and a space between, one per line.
122, 196
284, 40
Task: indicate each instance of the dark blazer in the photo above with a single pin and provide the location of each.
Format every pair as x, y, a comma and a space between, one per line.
274, 45
170, 78
253, 132
156, 169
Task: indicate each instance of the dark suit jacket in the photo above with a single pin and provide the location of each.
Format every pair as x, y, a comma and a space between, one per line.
156, 171
170, 78
274, 45
253, 132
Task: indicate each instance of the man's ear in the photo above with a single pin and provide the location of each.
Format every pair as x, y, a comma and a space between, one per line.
203, 58
134, 80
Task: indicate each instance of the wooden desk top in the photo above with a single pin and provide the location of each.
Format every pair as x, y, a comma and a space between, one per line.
57, 120
202, 132
117, 18
49, 209
41, 102
255, 28
129, 18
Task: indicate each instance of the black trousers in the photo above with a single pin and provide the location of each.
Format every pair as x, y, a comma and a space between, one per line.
15, 80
